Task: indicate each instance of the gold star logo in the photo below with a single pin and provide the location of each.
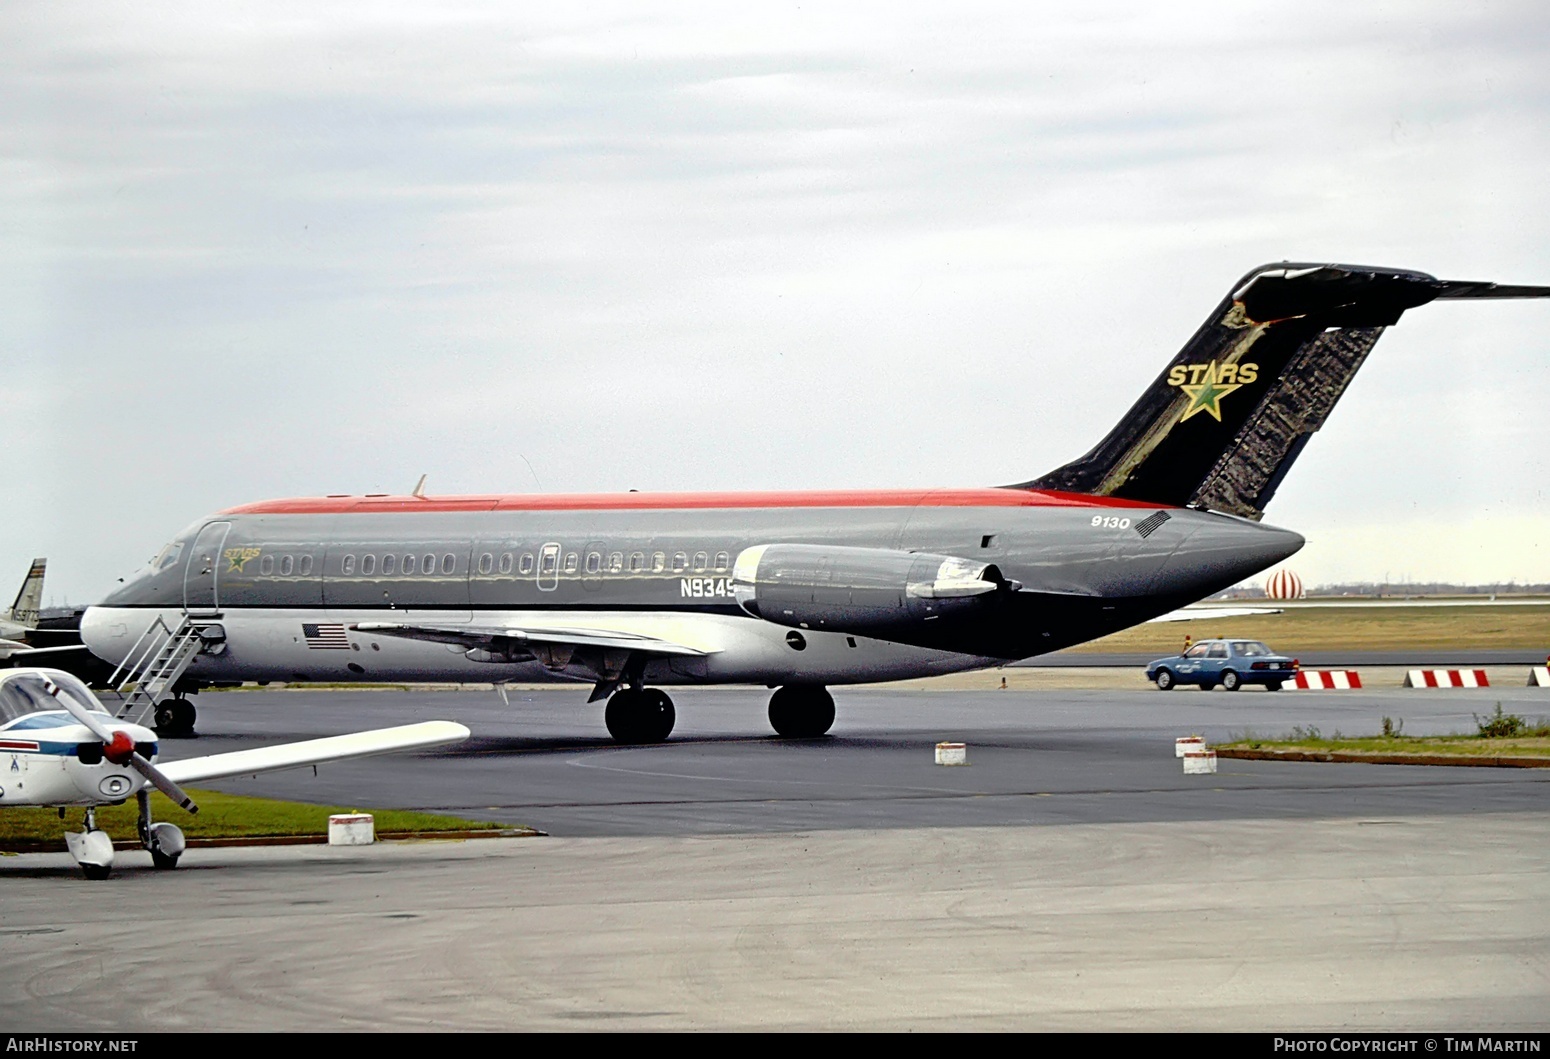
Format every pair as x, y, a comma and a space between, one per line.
1206, 395
240, 557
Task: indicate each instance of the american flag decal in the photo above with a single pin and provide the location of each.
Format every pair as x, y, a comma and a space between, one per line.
325, 637
1147, 526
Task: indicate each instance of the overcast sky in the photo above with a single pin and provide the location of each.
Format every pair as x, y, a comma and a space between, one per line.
258, 251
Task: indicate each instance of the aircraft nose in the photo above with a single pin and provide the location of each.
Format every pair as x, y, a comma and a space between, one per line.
1222, 551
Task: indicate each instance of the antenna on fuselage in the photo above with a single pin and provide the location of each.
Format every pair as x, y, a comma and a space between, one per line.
419, 487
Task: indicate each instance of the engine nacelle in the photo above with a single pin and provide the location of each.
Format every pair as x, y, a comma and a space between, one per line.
871, 591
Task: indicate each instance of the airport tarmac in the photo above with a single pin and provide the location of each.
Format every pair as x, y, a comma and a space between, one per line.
1086, 756
1070, 877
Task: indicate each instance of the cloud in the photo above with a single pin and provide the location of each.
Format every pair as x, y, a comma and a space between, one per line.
277, 250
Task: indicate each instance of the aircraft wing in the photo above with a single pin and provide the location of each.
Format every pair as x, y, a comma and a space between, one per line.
1212, 613
518, 636
609, 656
314, 751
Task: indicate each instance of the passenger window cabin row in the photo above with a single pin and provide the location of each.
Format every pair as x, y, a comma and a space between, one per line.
547, 563
391, 565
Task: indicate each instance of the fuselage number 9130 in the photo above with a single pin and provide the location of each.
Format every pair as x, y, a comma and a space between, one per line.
701, 587
1111, 522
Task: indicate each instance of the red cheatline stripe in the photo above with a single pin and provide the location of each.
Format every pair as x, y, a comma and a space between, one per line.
6, 744
323, 505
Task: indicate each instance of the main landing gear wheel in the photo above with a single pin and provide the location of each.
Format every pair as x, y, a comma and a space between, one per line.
799, 712
1164, 680
639, 715
163, 841
175, 718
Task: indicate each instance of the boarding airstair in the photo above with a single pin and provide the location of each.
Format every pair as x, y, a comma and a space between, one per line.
150, 671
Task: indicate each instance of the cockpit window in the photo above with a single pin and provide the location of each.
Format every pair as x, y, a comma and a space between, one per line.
25, 693
167, 556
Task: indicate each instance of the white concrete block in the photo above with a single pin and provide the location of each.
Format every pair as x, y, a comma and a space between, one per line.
952, 754
351, 829
1199, 762
1188, 743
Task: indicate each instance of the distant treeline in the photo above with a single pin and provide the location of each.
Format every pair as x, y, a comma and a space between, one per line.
1391, 590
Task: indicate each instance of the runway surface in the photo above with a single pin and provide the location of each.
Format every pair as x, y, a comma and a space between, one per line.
1047, 757
1070, 877
1410, 924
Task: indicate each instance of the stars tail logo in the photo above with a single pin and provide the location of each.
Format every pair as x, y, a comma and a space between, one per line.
1207, 384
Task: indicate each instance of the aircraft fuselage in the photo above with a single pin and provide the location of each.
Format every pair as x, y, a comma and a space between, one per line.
289, 580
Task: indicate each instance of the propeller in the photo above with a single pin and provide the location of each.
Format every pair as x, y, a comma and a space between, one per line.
118, 748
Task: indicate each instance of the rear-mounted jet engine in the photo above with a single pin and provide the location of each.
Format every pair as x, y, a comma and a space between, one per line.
868, 591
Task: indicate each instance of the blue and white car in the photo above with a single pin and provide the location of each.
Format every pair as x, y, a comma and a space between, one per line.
1230, 663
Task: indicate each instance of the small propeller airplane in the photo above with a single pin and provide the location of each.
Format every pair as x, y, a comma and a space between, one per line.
65, 750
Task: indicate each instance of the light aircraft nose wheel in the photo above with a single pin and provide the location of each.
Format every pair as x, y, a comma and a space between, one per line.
91, 848
639, 715
799, 712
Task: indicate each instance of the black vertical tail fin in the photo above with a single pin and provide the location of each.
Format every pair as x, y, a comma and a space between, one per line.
1222, 424
30, 598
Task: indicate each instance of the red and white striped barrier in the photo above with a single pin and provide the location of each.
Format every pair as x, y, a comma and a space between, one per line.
1325, 680
1446, 678
1539, 677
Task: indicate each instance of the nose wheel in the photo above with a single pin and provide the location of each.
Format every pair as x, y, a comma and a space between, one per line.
91, 848
639, 715
175, 718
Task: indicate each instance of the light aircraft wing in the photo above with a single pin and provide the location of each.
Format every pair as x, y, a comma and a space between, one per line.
15, 649
314, 751
1212, 613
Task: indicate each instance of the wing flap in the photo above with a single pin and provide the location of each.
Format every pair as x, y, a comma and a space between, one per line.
314, 751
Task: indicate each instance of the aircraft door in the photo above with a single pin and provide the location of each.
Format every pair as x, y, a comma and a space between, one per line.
549, 568
201, 578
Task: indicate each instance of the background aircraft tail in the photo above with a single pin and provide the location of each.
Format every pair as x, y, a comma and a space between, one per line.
30, 598
1222, 424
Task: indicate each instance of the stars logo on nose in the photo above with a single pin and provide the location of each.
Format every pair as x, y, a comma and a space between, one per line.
240, 557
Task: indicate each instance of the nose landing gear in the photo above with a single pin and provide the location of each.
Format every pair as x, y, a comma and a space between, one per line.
91, 848
175, 718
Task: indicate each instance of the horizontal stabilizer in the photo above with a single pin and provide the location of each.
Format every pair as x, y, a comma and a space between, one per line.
1223, 423
314, 751
1212, 613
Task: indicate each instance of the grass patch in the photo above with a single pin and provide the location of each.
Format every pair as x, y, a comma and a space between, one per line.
1505, 627
1497, 734
1453, 745
220, 816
